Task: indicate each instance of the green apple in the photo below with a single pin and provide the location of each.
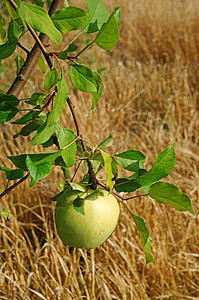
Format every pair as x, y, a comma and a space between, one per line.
86, 221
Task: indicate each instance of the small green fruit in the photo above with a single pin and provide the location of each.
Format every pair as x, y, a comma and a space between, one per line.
86, 221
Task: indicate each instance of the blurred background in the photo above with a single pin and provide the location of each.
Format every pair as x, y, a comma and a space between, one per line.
150, 100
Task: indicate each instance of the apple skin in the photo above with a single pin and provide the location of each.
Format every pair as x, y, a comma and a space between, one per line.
91, 229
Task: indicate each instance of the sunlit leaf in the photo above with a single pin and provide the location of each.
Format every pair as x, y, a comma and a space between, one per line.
163, 165
51, 79
59, 102
98, 15
37, 158
108, 168
65, 137
107, 142
108, 35
82, 78
99, 86
39, 19
164, 192
19, 62
131, 160
13, 31
37, 99
4, 214
39, 171
41, 64
69, 18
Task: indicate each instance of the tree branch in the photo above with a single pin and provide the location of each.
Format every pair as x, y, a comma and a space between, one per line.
33, 56
24, 74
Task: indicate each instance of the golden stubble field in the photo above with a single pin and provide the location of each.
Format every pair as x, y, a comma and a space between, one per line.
150, 100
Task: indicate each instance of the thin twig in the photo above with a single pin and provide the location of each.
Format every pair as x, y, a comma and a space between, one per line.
14, 185
118, 195
93, 179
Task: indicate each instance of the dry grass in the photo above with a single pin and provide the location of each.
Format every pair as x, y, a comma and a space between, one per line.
150, 100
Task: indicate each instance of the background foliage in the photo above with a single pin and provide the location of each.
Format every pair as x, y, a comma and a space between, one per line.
150, 100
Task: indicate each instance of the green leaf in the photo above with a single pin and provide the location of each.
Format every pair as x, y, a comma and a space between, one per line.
2, 29
39, 171
108, 168
13, 31
43, 133
78, 205
19, 62
51, 79
11, 10
56, 197
131, 160
82, 78
69, 18
12, 174
37, 158
27, 117
30, 127
100, 86
145, 237
48, 128
37, 99
107, 142
41, 64
108, 35
4, 214
164, 192
164, 164
7, 112
72, 48
7, 49
126, 185
117, 15
65, 137
114, 167
98, 15
39, 19
59, 102
8, 107
78, 187
11, 99
64, 54
49, 143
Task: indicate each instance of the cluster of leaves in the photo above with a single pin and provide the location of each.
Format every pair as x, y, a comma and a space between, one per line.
45, 126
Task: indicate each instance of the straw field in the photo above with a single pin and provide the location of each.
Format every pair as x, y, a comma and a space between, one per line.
150, 100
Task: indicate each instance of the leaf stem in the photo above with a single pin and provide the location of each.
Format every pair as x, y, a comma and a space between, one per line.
84, 49
118, 195
72, 41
